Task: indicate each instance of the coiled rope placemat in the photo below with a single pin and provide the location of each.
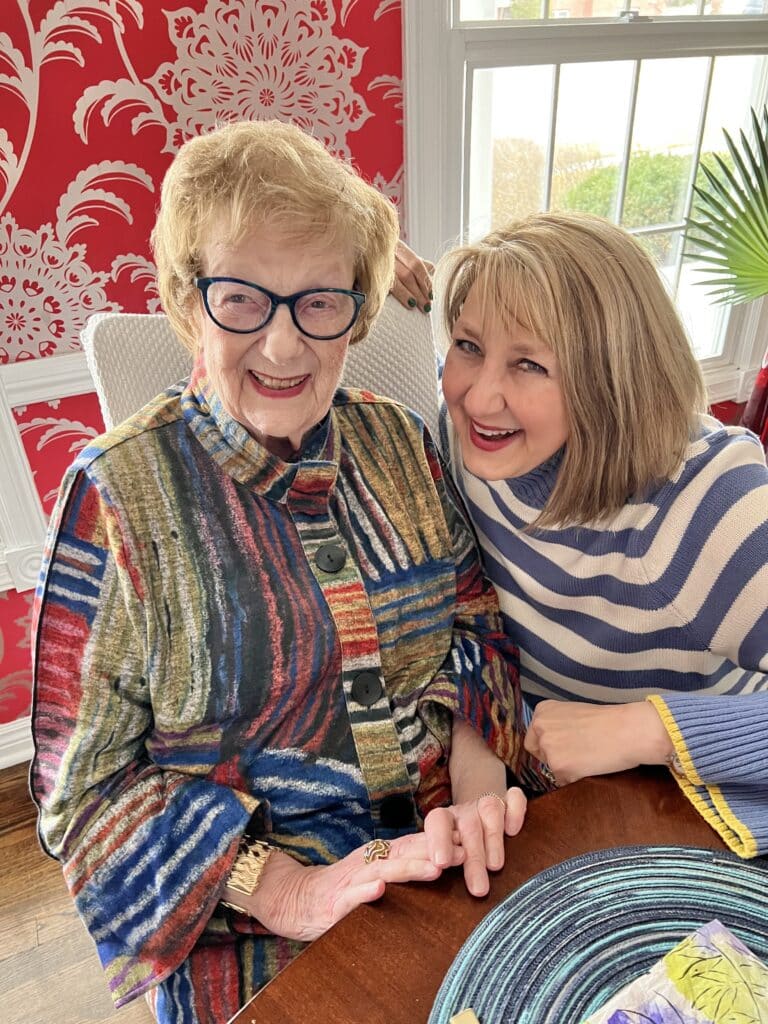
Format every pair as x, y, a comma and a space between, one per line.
566, 940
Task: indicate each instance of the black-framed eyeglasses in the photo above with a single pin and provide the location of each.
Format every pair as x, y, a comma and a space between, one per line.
243, 307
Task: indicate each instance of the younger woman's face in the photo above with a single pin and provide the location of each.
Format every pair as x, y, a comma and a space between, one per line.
503, 389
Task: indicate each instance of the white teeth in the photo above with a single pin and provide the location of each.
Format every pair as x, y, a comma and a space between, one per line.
495, 433
278, 383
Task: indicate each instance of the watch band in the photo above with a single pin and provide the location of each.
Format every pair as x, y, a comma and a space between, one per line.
248, 868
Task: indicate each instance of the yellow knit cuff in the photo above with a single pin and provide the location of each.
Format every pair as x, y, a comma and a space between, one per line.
720, 817
716, 813
681, 750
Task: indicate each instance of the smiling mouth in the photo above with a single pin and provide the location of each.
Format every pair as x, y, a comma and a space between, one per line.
489, 438
278, 383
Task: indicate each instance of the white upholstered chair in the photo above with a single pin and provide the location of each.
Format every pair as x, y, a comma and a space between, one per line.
134, 356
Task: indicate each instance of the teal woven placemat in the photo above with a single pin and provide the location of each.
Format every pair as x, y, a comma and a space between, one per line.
570, 937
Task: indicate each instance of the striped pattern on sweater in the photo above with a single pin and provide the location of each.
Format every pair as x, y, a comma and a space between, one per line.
668, 599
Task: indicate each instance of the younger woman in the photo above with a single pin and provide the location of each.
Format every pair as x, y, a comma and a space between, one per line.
624, 529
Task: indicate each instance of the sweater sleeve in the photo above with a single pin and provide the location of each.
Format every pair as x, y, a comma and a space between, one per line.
721, 738
146, 850
479, 679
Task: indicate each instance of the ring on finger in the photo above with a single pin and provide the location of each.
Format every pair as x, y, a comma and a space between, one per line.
377, 849
501, 799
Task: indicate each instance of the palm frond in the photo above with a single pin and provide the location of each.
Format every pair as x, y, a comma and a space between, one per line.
729, 222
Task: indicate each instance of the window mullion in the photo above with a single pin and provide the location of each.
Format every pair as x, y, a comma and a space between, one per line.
621, 190
550, 161
696, 153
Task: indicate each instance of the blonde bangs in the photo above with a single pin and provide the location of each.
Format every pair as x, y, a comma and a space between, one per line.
508, 287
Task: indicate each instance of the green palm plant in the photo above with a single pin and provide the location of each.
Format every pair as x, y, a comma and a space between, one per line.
729, 224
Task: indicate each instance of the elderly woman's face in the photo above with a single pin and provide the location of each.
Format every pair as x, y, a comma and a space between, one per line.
276, 381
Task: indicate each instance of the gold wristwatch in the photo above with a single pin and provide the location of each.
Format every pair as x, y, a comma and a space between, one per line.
248, 868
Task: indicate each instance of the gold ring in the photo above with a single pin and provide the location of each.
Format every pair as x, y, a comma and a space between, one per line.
377, 849
496, 795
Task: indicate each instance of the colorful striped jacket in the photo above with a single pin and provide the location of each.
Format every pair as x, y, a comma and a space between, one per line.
668, 600
213, 630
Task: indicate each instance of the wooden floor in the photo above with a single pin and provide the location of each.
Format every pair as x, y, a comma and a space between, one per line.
49, 971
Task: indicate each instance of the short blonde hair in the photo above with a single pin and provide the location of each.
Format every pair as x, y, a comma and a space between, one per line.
256, 172
632, 386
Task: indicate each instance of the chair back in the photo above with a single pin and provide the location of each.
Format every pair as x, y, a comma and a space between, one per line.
134, 356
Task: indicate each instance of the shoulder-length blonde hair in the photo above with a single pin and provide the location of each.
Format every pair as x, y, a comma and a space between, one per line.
253, 172
632, 386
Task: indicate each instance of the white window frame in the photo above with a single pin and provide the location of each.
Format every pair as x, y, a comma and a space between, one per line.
439, 60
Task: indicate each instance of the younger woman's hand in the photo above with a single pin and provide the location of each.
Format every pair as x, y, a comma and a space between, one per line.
413, 279
301, 902
576, 739
477, 828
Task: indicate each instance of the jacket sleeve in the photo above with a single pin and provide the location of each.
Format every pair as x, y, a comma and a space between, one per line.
145, 850
721, 739
479, 679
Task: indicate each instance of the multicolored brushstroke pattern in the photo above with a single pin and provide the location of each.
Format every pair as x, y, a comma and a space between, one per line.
195, 673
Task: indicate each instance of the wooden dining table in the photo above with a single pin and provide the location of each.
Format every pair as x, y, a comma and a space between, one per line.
384, 963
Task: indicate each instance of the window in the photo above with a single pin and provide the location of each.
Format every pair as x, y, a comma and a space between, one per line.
573, 104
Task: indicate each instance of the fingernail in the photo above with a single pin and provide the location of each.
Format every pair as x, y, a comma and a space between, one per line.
428, 307
411, 303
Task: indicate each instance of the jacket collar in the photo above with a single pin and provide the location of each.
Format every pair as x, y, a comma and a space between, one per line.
308, 479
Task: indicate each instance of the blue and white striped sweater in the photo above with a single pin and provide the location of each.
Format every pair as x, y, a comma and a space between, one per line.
668, 599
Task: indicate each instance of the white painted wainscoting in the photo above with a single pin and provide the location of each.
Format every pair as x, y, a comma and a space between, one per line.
22, 521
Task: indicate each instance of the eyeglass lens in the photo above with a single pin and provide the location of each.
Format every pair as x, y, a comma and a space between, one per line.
244, 308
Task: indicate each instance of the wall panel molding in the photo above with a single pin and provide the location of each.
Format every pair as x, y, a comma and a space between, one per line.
45, 380
16, 742
22, 521
6, 580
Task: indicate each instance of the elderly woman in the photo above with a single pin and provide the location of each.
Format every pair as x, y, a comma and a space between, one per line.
265, 650
624, 528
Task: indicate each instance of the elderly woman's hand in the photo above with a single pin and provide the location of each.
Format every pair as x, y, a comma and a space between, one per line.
477, 828
301, 902
576, 739
413, 279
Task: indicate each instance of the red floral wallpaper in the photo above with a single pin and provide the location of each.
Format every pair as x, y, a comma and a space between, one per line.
16, 682
52, 433
95, 98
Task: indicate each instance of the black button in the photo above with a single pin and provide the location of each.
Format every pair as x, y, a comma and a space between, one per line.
330, 558
396, 811
366, 688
